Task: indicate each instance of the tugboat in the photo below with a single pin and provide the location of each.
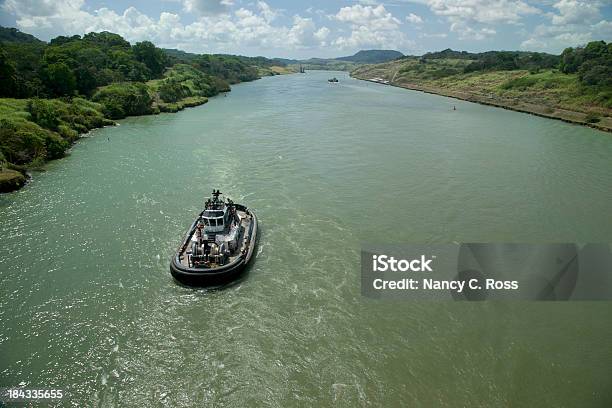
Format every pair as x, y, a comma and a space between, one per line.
334, 79
218, 245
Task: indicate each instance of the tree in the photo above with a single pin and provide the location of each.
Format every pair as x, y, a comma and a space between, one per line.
153, 57
8, 78
43, 113
59, 79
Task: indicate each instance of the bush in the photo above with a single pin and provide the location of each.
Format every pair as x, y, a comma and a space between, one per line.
124, 99
172, 91
67, 133
44, 113
21, 142
55, 146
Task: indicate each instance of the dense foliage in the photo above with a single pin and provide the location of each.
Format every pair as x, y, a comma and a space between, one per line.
185, 80
512, 60
593, 63
124, 99
78, 65
231, 68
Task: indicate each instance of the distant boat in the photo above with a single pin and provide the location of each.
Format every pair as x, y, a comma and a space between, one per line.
334, 79
302, 70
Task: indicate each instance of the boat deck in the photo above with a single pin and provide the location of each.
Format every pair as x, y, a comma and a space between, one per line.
245, 223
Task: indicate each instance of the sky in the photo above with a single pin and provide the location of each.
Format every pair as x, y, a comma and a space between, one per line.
322, 28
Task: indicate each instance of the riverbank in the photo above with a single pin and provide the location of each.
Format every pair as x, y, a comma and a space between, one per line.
515, 104
34, 131
574, 87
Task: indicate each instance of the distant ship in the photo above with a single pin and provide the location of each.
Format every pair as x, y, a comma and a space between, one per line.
218, 245
334, 79
302, 70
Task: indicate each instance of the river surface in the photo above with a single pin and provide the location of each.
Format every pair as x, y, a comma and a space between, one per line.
87, 304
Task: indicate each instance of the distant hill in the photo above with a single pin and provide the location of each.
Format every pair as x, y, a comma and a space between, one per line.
372, 56
13, 35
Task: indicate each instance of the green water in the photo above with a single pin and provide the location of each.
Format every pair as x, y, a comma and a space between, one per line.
87, 303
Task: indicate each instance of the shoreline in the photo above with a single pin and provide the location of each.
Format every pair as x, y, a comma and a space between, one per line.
576, 118
15, 177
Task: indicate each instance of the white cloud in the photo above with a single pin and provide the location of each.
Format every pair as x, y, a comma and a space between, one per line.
40, 8
377, 18
413, 18
218, 30
321, 34
476, 19
266, 11
207, 7
370, 27
466, 32
575, 12
482, 11
304, 33
533, 44
575, 23
433, 35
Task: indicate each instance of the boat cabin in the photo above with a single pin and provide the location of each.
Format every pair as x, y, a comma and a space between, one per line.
215, 220
217, 214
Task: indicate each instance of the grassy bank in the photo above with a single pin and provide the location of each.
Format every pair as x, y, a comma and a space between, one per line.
545, 91
34, 130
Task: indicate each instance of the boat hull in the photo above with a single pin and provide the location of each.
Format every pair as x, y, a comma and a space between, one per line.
222, 275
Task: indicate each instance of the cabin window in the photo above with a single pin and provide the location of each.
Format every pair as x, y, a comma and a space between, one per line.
213, 222
220, 222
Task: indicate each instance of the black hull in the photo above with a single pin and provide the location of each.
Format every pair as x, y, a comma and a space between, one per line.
208, 278
201, 277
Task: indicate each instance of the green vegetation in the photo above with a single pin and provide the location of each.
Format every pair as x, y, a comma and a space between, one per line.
35, 130
592, 63
231, 68
579, 80
50, 93
124, 99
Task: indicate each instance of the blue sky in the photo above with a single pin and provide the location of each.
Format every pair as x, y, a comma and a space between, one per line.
302, 29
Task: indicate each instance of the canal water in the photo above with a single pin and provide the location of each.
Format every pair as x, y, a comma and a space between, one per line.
87, 304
